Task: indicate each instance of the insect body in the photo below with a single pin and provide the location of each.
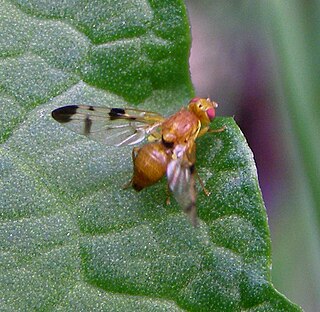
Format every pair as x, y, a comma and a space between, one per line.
150, 164
171, 150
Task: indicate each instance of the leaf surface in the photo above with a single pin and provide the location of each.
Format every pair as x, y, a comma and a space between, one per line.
71, 238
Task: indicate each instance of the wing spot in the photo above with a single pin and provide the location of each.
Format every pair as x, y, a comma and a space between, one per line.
65, 113
116, 113
87, 125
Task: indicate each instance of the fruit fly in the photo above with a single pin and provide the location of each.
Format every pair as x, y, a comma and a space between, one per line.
171, 146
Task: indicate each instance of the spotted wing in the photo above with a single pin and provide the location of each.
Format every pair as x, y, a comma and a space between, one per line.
111, 126
180, 174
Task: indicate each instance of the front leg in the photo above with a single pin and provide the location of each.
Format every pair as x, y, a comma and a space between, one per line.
217, 130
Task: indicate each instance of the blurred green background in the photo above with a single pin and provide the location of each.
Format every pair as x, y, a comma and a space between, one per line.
260, 61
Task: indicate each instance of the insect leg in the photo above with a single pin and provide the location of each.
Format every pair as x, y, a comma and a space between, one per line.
135, 151
127, 185
168, 194
207, 130
207, 193
217, 130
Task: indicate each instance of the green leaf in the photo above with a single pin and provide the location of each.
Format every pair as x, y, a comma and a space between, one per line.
71, 238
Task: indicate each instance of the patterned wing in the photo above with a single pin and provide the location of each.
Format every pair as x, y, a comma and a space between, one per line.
111, 126
180, 174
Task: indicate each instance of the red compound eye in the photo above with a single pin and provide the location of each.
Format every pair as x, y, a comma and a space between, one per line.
211, 113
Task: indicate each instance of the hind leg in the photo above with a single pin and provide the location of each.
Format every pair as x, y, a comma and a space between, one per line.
135, 152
